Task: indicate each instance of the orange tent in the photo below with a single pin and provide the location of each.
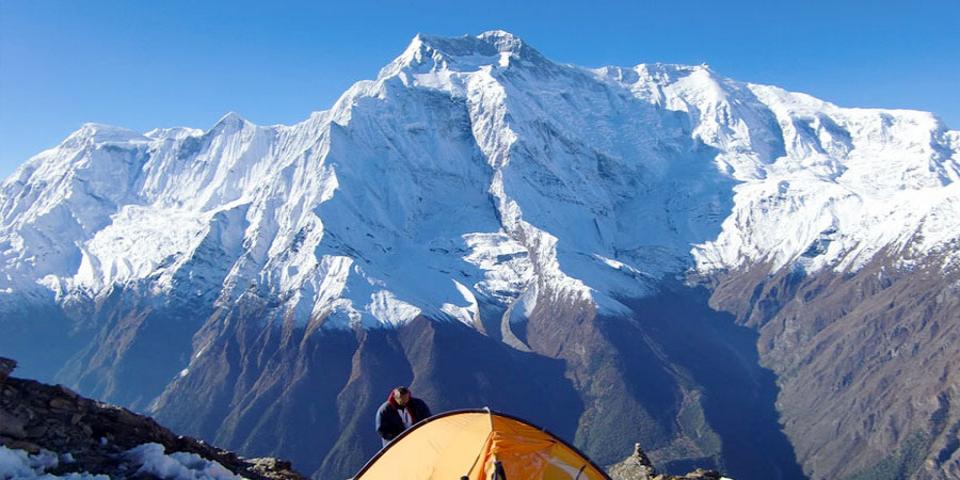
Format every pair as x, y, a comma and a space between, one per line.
478, 445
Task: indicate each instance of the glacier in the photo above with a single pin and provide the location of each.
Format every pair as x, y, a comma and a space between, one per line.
474, 171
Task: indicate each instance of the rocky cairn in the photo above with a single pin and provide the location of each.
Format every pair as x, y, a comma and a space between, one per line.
35, 417
639, 467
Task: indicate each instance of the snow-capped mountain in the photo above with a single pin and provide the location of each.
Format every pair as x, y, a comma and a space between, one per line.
581, 180
473, 182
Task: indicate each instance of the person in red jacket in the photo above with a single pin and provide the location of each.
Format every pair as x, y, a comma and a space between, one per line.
400, 412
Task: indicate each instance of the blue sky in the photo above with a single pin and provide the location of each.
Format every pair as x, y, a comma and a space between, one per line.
142, 64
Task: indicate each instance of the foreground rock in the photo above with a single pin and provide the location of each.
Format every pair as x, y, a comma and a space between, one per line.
100, 439
639, 467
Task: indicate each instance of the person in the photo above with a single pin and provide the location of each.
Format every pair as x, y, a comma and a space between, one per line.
400, 412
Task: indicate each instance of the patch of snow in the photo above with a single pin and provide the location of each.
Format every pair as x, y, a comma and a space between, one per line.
506, 265
18, 464
138, 243
389, 310
153, 461
469, 314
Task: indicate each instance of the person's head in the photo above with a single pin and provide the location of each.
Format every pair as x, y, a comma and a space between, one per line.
401, 395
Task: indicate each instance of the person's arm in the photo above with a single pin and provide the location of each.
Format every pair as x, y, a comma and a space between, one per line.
382, 427
424, 412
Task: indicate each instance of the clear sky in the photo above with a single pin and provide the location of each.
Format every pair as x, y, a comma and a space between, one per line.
142, 64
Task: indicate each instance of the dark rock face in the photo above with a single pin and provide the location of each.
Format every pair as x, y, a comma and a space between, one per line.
140, 343
675, 375
728, 411
681, 379
313, 394
35, 416
866, 363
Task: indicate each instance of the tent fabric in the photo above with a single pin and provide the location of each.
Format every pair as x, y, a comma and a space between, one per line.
468, 443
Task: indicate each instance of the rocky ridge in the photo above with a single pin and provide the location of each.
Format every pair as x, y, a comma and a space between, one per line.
95, 437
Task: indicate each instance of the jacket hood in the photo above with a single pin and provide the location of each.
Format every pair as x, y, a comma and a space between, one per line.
393, 402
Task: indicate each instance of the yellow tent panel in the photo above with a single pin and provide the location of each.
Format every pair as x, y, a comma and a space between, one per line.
470, 443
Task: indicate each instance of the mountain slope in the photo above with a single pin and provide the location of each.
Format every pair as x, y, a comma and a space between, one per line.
865, 362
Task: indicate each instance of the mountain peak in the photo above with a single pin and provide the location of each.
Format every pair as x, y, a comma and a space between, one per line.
465, 53
231, 117
231, 120
487, 43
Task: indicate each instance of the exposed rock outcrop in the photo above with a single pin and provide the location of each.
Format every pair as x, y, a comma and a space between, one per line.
36, 417
639, 467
